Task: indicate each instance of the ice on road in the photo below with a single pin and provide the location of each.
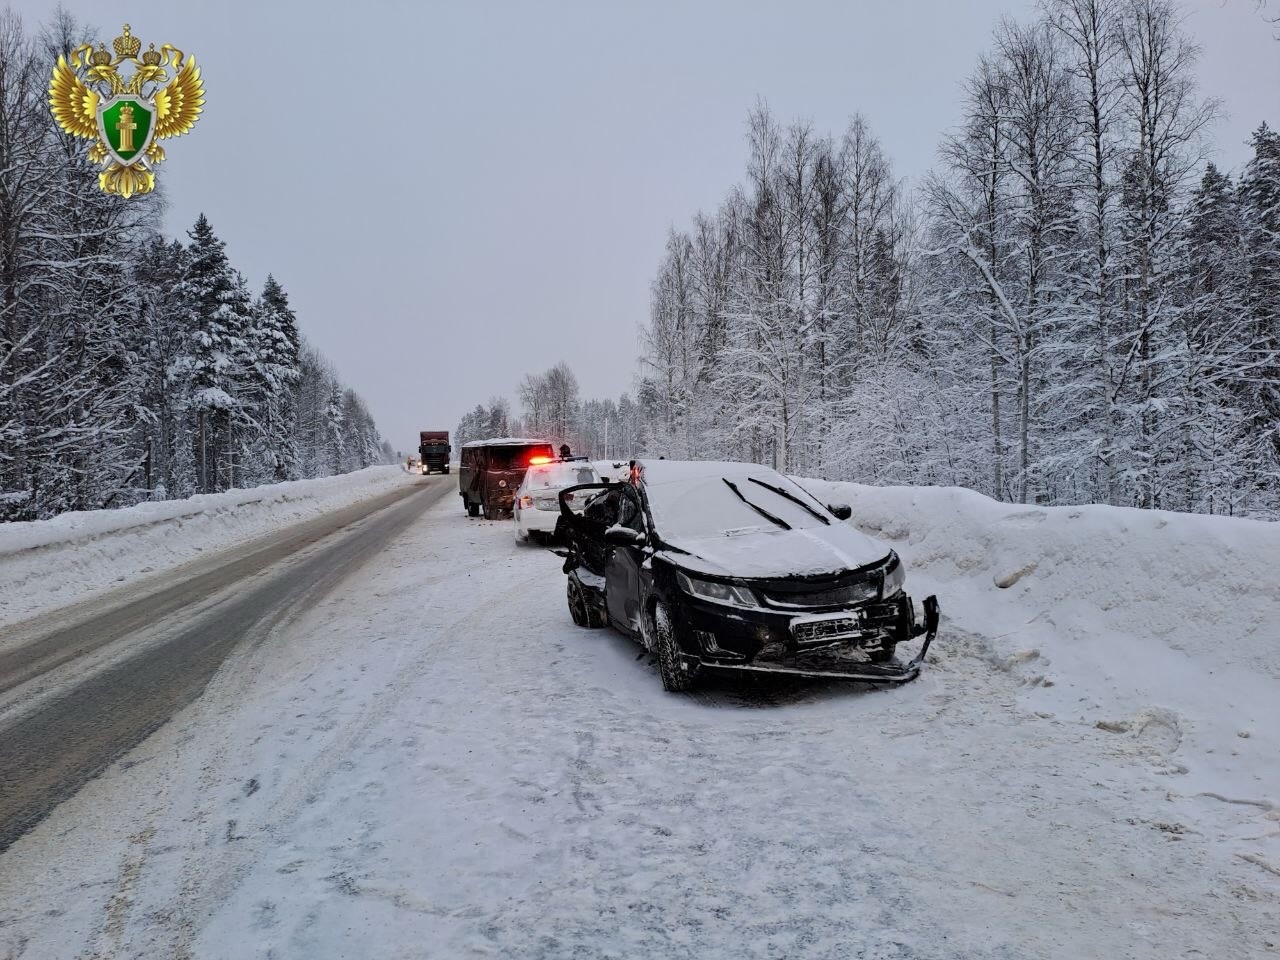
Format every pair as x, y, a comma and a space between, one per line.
435, 762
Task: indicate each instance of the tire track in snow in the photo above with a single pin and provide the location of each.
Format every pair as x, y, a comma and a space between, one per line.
49, 753
203, 889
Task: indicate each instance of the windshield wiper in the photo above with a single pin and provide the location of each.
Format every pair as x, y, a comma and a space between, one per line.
792, 497
758, 509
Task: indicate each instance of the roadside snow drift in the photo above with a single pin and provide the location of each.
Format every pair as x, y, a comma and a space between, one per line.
1164, 627
47, 564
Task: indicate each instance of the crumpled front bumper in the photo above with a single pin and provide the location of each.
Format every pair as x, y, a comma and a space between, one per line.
824, 664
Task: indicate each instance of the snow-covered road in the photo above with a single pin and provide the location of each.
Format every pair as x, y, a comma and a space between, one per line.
434, 762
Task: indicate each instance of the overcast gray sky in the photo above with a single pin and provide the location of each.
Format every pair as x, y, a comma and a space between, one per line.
455, 194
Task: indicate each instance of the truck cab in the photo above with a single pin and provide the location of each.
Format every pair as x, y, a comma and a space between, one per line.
434, 449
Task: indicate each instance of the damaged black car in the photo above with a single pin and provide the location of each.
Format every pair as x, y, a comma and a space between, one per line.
735, 567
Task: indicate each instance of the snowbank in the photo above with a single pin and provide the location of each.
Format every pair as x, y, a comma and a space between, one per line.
1161, 627
46, 564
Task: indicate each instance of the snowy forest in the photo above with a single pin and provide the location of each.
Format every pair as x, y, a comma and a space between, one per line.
132, 366
552, 407
1073, 307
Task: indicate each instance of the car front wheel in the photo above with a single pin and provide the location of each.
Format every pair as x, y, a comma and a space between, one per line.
676, 677
583, 608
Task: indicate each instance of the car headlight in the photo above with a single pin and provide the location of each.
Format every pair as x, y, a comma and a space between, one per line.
726, 593
895, 576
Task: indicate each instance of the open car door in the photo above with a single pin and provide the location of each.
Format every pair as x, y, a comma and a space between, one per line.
587, 510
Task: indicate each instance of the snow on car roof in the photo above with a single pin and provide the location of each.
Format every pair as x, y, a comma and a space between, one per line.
506, 442
663, 471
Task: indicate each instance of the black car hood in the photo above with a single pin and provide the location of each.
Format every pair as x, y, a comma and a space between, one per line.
771, 553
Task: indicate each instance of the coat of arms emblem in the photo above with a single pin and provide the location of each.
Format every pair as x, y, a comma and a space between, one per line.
126, 116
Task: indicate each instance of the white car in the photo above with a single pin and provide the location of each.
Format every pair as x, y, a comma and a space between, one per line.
537, 501
613, 469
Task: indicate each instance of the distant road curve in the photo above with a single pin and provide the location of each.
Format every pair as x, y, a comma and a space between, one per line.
47, 754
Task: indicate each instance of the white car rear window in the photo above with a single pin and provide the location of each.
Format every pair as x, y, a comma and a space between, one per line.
555, 476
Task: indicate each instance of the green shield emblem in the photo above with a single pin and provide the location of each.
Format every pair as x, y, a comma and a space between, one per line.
126, 123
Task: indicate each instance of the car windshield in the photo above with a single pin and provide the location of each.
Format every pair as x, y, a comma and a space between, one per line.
707, 505
557, 475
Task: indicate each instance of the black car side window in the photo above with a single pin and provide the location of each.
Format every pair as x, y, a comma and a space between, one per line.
604, 508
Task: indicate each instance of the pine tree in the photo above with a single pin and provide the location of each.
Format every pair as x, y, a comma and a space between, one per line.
275, 368
209, 289
1210, 472
1259, 192
335, 430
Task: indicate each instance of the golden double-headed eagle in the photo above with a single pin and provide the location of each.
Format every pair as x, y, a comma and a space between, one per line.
126, 117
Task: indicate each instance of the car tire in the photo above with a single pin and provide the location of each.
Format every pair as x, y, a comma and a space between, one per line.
583, 607
665, 647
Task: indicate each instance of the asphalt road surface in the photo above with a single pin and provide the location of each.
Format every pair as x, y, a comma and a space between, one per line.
173, 640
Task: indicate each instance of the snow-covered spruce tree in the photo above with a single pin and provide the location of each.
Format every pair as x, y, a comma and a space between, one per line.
1259, 192
273, 373
216, 343
167, 447
314, 387
244, 423
1214, 342
335, 433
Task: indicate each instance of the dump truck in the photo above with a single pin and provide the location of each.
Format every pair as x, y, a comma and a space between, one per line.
434, 448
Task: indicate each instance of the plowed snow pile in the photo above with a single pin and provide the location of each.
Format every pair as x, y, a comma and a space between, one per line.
46, 564
1161, 627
